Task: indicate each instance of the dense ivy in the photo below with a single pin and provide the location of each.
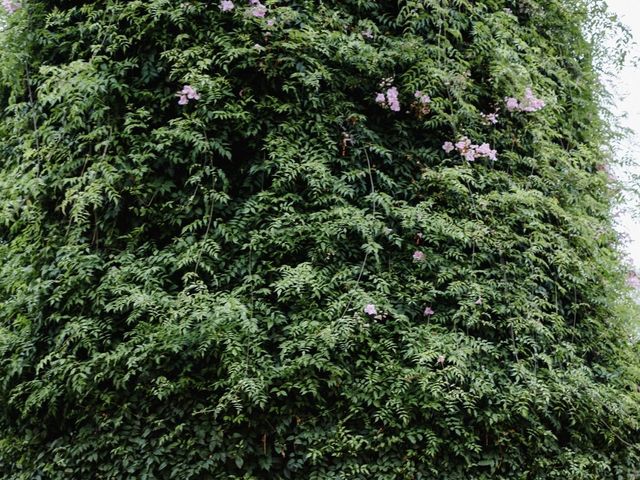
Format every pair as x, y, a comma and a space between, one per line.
232, 245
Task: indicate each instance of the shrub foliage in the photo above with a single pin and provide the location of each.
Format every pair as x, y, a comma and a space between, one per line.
199, 201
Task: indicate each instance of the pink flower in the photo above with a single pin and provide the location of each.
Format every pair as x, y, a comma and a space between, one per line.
392, 93
441, 359
479, 301
10, 6
226, 5
528, 94
392, 99
258, 9
469, 155
484, 150
491, 118
447, 147
367, 34
428, 312
463, 144
271, 22
370, 309
418, 256
422, 97
534, 105
512, 104
188, 93
530, 103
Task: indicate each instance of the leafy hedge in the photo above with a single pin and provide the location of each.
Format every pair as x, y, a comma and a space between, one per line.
317, 240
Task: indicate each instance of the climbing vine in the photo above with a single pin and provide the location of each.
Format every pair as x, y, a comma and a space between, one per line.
319, 240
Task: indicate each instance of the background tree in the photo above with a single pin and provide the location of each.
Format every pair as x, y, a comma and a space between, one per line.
316, 240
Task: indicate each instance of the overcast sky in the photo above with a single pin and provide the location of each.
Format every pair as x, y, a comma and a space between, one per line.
626, 86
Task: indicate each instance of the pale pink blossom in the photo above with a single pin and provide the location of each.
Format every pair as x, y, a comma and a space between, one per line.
190, 92
479, 301
392, 99
226, 5
422, 97
470, 151
469, 155
370, 309
10, 6
418, 256
389, 99
483, 150
512, 104
258, 9
529, 103
463, 144
187, 93
528, 94
428, 312
491, 118
367, 34
441, 359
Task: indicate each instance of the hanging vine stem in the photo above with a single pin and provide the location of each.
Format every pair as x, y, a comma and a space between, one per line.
209, 162
373, 212
32, 104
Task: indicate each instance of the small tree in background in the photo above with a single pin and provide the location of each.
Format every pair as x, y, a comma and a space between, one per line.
313, 240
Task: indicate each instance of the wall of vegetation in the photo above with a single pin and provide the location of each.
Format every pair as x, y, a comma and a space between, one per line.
346, 239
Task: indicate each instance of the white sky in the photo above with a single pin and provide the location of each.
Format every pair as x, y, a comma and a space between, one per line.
626, 84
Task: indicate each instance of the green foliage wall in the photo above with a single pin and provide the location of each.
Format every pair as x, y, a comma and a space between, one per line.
184, 277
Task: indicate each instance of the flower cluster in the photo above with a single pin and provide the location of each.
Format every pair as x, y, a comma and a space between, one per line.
422, 102
257, 9
633, 281
470, 151
370, 309
529, 103
490, 118
187, 93
390, 99
226, 5
418, 256
367, 34
10, 6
